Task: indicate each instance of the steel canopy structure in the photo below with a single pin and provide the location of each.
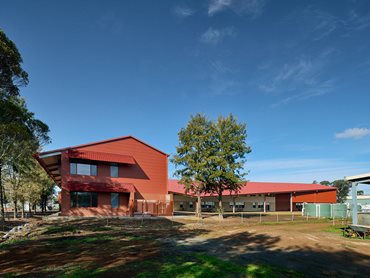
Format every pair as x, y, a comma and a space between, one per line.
355, 180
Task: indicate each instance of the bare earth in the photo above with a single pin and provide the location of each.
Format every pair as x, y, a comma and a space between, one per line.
125, 248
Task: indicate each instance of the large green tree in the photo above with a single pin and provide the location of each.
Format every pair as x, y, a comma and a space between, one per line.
21, 134
227, 158
192, 156
210, 156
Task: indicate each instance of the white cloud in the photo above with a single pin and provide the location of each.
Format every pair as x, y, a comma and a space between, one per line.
214, 36
301, 79
353, 133
183, 12
216, 6
252, 8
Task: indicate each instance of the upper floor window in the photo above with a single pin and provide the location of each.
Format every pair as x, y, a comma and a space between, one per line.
83, 169
114, 170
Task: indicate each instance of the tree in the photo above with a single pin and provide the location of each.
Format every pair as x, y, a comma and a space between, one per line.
21, 134
342, 189
227, 160
191, 160
210, 156
360, 192
12, 75
325, 183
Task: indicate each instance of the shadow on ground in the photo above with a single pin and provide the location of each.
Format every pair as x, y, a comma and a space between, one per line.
125, 248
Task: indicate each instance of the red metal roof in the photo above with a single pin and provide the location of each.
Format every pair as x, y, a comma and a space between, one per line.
99, 187
100, 156
102, 142
259, 188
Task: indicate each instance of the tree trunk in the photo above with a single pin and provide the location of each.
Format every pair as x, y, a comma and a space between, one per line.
15, 209
199, 207
233, 204
220, 208
2, 213
22, 210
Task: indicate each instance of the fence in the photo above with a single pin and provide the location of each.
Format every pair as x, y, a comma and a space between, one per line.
154, 207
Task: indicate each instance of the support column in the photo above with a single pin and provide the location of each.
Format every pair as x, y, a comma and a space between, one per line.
264, 202
291, 202
233, 204
354, 203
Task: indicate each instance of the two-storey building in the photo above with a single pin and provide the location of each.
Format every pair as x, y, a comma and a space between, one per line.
118, 176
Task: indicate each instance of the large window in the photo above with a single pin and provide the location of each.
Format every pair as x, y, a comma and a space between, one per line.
83, 169
114, 170
114, 200
84, 199
238, 205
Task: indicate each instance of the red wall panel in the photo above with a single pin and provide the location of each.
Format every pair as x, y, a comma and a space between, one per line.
315, 197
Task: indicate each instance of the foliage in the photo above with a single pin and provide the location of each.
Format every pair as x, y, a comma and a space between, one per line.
360, 192
342, 189
21, 134
210, 155
12, 76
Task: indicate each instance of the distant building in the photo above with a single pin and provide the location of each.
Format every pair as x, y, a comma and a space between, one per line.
257, 196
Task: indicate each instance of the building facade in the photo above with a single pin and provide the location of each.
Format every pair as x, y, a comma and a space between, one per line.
256, 197
115, 177
124, 176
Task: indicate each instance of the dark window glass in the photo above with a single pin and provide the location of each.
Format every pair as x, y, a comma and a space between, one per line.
73, 168
73, 199
94, 199
84, 199
114, 199
114, 170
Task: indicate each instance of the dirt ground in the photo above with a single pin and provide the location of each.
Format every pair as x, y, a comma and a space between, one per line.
131, 247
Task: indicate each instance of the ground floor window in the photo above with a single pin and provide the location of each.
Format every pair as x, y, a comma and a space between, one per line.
208, 205
114, 200
238, 205
190, 204
84, 199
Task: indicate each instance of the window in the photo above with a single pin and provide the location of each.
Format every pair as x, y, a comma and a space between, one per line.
260, 205
208, 205
190, 204
181, 205
84, 199
254, 205
83, 169
238, 205
114, 200
114, 170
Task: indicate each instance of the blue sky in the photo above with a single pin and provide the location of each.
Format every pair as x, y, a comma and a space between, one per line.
297, 72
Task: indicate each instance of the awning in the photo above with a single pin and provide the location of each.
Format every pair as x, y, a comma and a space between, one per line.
100, 156
99, 187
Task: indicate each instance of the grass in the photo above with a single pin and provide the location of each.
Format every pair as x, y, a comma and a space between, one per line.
14, 242
61, 229
201, 265
338, 229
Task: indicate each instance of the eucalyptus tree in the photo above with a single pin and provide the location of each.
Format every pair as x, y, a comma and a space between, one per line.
21, 134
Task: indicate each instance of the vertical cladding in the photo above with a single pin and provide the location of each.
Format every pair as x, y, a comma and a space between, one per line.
149, 174
282, 202
316, 197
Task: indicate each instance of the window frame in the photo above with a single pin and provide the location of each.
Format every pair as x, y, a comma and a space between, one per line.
73, 169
